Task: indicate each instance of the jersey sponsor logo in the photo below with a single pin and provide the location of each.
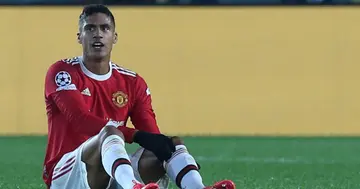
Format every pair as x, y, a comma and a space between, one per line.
115, 123
120, 99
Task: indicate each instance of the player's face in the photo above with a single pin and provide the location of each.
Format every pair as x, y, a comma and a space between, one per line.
97, 35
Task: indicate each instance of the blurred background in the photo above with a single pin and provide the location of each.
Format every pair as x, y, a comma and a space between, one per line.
219, 72
212, 70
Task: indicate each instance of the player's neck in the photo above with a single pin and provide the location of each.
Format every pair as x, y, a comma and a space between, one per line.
99, 67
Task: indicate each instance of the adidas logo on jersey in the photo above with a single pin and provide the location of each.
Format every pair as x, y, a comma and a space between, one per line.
86, 92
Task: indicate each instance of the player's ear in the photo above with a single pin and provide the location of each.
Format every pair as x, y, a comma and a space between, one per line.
115, 38
78, 38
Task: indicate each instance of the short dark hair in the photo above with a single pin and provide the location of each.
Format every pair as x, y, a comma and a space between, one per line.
96, 8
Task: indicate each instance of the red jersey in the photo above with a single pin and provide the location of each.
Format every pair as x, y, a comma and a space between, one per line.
80, 103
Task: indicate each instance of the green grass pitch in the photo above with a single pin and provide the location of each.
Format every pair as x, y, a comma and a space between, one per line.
251, 162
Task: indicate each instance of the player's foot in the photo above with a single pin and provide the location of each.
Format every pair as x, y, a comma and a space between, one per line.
148, 186
224, 184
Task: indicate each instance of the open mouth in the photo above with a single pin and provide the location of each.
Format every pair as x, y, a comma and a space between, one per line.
98, 45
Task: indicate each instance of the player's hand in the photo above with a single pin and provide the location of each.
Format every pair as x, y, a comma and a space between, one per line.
161, 145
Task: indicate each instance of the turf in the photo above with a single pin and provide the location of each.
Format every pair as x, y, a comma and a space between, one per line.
252, 162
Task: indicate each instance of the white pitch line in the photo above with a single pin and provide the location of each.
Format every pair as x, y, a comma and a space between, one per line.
279, 160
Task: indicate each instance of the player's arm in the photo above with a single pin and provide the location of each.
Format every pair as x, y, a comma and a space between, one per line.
143, 118
70, 103
142, 114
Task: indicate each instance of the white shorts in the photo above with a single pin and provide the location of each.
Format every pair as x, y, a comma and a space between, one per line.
70, 172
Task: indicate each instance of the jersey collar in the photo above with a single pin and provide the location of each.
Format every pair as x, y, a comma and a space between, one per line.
92, 75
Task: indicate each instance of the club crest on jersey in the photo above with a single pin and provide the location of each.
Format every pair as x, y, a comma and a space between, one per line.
120, 99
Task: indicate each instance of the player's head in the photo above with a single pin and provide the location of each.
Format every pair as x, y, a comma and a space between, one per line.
97, 31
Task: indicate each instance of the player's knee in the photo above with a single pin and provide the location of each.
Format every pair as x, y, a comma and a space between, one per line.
177, 140
92, 150
108, 131
149, 167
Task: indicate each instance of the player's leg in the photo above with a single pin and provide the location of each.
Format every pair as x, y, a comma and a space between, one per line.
181, 168
148, 169
184, 171
105, 156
